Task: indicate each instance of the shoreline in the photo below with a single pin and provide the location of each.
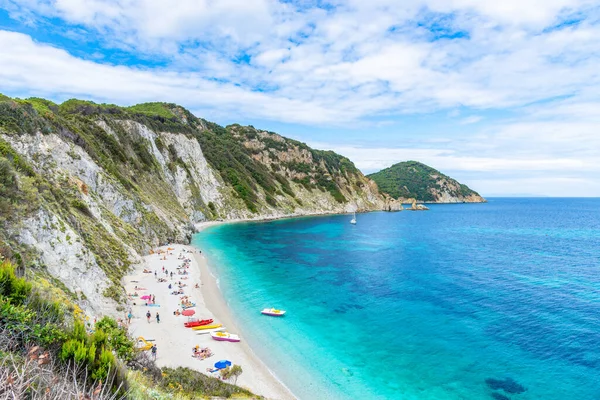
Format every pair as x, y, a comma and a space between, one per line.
216, 303
175, 342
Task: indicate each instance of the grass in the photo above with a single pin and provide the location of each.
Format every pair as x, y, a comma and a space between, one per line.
155, 109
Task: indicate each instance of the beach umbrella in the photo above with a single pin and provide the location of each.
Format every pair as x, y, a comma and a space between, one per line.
222, 364
145, 297
188, 313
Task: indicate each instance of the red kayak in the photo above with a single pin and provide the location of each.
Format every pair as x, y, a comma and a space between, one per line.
191, 324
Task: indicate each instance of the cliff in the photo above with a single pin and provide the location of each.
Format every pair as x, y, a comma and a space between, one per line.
86, 188
413, 180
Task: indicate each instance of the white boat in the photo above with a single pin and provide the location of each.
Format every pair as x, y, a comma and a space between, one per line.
225, 337
273, 312
210, 331
353, 220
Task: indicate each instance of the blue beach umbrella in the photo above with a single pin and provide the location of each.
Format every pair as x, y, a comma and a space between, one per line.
222, 364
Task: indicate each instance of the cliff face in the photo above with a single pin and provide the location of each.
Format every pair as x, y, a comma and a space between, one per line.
413, 180
86, 188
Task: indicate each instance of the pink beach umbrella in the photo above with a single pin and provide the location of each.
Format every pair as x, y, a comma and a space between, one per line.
145, 297
188, 312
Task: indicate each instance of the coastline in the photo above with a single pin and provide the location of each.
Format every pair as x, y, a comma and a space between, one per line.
173, 340
216, 303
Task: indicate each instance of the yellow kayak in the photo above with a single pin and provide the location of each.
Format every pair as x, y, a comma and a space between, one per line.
213, 326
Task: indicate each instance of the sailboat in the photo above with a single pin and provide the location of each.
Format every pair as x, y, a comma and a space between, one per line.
353, 220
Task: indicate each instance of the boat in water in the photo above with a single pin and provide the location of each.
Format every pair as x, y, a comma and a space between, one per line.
202, 327
353, 220
273, 312
225, 337
197, 322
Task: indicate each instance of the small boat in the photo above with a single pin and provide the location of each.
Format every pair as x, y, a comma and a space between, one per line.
210, 326
225, 337
353, 220
196, 322
210, 331
273, 312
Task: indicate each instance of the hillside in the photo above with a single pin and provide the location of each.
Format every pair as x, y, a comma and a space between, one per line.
86, 188
414, 180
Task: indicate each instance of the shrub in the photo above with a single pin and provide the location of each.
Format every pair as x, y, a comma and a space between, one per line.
81, 206
13, 288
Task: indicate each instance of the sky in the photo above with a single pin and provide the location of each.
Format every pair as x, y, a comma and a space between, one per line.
502, 95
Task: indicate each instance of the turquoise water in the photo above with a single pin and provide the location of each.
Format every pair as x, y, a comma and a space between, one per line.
444, 304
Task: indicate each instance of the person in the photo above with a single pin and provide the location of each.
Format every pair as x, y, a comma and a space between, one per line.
197, 286
169, 286
155, 273
171, 274
153, 299
157, 318
148, 315
153, 349
129, 316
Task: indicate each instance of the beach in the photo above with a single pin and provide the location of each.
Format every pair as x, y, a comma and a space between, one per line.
175, 342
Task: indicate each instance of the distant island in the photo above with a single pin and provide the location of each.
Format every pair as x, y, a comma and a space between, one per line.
414, 180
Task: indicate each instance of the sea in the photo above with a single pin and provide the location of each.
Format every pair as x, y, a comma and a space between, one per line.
467, 301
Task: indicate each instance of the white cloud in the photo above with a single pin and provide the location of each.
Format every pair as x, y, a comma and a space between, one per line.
473, 119
356, 63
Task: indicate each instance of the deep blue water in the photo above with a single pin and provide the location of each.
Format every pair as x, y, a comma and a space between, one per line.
423, 305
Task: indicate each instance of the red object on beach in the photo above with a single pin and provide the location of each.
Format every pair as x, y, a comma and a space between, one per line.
188, 312
191, 324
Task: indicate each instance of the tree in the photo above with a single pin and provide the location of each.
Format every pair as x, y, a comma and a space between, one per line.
232, 372
235, 372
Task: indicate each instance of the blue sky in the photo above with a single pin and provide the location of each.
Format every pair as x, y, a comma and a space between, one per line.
504, 96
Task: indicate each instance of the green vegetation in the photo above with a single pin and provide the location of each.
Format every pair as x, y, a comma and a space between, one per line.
185, 380
227, 154
153, 110
49, 338
226, 150
28, 318
413, 179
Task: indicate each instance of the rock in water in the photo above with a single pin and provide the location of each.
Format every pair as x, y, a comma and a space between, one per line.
499, 396
509, 385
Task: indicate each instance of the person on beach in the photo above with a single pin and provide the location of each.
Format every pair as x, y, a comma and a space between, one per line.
129, 316
171, 274
155, 274
153, 349
153, 299
148, 315
157, 318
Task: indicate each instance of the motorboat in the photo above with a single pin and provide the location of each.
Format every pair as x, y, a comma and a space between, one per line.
353, 220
